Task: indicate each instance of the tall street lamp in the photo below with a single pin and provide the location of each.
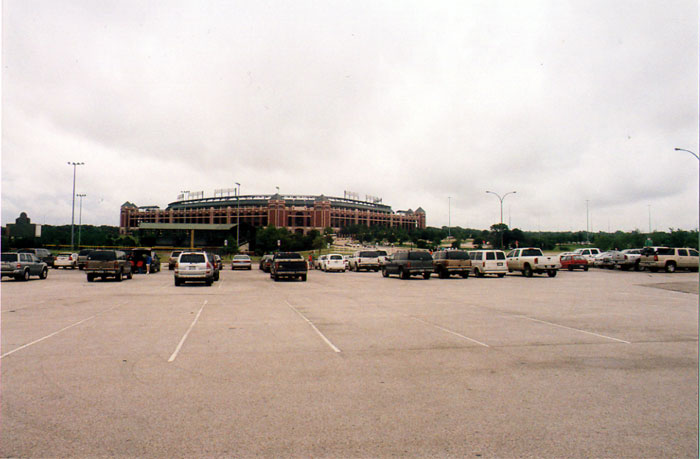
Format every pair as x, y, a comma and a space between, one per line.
238, 214
696, 157
501, 198
80, 216
72, 212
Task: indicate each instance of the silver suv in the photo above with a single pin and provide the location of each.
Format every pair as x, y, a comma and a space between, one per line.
196, 267
22, 265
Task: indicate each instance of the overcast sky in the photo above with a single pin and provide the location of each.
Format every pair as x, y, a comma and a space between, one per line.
414, 102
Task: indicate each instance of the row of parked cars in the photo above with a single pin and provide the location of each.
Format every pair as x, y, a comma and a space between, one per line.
654, 259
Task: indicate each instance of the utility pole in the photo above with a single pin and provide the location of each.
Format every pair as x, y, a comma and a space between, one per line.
72, 212
80, 217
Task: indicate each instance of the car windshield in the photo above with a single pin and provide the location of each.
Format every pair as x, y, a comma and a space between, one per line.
192, 258
457, 255
102, 255
9, 257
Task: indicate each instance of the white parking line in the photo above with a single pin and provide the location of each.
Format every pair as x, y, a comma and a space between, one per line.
328, 342
575, 329
451, 332
184, 337
55, 333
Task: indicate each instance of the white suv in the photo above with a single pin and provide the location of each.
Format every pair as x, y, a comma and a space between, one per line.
195, 267
364, 259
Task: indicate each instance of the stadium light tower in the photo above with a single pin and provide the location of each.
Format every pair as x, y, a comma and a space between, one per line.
80, 216
72, 212
696, 157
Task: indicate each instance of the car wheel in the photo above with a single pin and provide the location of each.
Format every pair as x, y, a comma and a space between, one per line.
443, 273
552, 273
426, 275
209, 282
465, 274
501, 275
527, 271
118, 277
303, 277
671, 267
90, 278
403, 274
130, 275
570, 268
585, 268
44, 273
25, 275
478, 273
384, 273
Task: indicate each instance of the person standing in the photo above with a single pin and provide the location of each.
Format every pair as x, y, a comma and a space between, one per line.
149, 260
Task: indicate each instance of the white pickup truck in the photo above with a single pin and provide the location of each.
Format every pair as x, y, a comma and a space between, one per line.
531, 260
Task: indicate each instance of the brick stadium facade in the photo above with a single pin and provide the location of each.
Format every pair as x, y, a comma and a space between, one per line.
296, 213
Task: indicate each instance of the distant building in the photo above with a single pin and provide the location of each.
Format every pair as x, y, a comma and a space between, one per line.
296, 213
22, 229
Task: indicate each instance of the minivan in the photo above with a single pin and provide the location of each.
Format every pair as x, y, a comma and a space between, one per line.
488, 262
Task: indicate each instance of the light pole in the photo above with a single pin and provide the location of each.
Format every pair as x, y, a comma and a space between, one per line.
80, 216
696, 157
72, 212
449, 215
501, 198
238, 213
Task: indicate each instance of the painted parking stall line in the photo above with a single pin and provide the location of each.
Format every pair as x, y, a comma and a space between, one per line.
24, 346
450, 332
184, 337
323, 337
574, 329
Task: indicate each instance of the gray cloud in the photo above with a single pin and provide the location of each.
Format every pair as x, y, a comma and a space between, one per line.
562, 101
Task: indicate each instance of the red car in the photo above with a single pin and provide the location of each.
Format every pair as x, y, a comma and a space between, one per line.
572, 262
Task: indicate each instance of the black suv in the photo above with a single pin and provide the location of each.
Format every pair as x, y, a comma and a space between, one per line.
407, 263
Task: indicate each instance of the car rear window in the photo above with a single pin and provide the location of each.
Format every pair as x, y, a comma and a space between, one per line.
419, 256
368, 254
381, 253
336, 257
102, 255
500, 256
241, 257
292, 255
457, 255
192, 258
9, 257
531, 253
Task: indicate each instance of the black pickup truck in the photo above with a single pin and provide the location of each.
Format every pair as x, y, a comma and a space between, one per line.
288, 264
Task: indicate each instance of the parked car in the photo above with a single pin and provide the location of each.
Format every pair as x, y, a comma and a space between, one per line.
172, 261
382, 257
669, 259
448, 262
265, 263
334, 262
138, 258
604, 260
407, 263
320, 262
588, 254
23, 265
107, 263
364, 259
66, 260
529, 260
42, 254
288, 264
241, 262
573, 261
195, 267
628, 259
82, 258
219, 262
488, 262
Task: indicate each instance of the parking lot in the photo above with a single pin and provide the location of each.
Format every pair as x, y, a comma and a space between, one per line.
587, 364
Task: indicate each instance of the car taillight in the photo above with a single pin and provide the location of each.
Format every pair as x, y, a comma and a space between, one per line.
19, 266
116, 265
70, 258
656, 258
408, 265
535, 260
483, 264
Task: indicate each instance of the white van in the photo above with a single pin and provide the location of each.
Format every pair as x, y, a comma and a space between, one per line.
488, 262
334, 262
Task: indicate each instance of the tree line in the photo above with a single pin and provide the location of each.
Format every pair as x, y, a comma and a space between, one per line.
270, 239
